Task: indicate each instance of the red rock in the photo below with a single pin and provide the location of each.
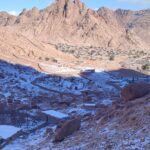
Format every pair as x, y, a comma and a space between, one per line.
135, 90
67, 129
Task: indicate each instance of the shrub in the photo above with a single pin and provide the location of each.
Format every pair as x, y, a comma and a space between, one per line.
112, 57
146, 67
47, 59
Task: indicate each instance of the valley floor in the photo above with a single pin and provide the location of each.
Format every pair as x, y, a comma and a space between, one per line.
93, 94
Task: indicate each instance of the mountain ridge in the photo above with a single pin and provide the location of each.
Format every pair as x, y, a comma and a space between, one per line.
72, 22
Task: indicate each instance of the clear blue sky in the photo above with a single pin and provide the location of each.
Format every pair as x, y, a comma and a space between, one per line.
15, 6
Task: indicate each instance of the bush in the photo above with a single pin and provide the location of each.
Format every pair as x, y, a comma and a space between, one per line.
54, 60
146, 67
47, 59
112, 57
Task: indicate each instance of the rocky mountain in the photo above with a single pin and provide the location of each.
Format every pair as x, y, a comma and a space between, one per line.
67, 21
6, 19
68, 69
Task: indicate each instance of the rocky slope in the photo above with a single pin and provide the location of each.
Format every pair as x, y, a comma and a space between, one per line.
123, 126
67, 21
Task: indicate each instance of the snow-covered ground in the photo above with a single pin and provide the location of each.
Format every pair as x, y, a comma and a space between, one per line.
30, 83
27, 85
17, 81
26, 142
106, 101
77, 84
6, 131
56, 114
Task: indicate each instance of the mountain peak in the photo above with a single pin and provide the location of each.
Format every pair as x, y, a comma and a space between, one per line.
68, 7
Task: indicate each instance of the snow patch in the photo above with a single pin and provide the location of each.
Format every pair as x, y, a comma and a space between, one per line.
7, 131
107, 102
56, 114
89, 105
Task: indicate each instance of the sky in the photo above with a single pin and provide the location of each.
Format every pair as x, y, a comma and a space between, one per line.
15, 6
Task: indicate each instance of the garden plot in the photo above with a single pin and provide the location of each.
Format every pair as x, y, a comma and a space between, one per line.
72, 85
96, 81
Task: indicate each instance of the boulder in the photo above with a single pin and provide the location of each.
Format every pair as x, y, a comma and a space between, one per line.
135, 90
67, 129
1, 140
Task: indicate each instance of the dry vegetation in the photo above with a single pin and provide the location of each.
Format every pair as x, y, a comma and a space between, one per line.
133, 59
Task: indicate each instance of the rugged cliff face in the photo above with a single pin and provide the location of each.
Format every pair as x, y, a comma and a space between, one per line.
67, 21
6, 19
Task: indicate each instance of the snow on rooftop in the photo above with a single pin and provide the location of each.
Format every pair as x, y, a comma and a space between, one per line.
89, 104
107, 102
7, 131
56, 114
